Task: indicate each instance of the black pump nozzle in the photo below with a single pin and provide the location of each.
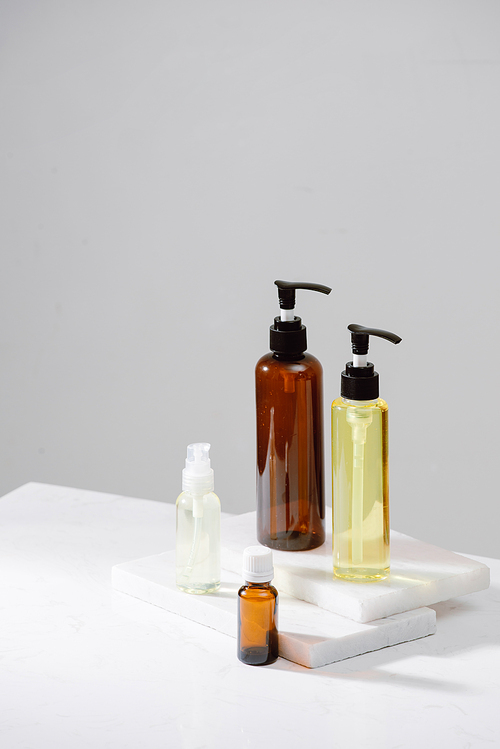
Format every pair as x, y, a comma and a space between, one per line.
360, 337
288, 335
359, 381
286, 291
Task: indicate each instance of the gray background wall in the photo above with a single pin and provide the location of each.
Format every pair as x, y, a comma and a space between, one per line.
164, 162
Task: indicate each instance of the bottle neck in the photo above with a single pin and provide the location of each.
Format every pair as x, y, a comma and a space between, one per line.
351, 402
288, 338
359, 383
258, 585
198, 485
287, 357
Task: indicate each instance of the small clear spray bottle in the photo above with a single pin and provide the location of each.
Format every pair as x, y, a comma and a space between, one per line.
360, 466
197, 541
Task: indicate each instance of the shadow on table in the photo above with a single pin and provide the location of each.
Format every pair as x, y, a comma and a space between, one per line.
463, 624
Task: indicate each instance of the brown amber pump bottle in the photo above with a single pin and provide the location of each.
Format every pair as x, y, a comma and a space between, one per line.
289, 400
257, 609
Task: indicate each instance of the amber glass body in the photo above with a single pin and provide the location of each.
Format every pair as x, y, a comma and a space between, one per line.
257, 624
290, 476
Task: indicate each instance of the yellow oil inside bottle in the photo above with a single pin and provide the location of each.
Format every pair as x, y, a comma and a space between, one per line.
360, 490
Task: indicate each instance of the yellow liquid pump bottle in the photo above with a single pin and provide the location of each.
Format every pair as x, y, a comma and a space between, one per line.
360, 466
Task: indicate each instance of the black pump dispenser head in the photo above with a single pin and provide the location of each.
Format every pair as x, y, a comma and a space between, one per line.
288, 335
359, 381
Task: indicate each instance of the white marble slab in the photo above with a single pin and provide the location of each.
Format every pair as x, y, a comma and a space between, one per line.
421, 574
309, 635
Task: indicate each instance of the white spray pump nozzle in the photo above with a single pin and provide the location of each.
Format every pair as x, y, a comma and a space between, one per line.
197, 461
198, 476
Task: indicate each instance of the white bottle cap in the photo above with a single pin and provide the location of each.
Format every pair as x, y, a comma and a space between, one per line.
197, 476
258, 564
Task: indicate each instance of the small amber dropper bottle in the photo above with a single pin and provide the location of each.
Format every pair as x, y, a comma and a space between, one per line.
258, 609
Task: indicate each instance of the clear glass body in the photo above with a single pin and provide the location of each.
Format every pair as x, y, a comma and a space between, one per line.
290, 479
360, 470
197, 543
257, 624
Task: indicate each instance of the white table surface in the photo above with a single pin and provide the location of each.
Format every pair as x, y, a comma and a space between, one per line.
85, 666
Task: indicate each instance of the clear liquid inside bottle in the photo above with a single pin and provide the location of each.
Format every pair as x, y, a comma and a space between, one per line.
197, 550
